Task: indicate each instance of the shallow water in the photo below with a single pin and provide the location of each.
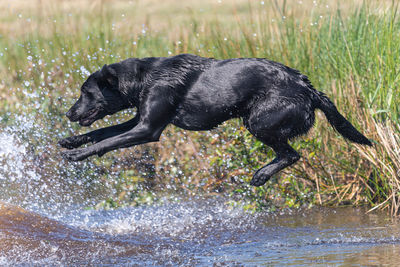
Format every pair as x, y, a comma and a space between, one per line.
198, 232
44, 221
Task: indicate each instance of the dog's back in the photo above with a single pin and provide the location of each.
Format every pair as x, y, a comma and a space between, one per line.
225, 89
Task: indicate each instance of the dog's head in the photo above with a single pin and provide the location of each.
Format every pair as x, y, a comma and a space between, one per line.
100, 96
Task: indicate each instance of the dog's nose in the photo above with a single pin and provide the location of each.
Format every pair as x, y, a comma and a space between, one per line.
68, 114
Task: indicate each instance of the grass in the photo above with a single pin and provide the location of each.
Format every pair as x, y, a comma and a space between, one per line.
349, 50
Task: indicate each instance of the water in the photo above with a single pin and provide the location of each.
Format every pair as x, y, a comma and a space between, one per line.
201, 233
44, 220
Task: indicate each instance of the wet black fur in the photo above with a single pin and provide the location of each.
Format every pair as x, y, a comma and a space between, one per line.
276, 104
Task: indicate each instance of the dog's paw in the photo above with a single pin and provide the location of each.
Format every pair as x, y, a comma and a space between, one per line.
73, 141
75, 155
259, 178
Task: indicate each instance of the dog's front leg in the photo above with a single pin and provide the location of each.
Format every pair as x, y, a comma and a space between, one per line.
139, 135
98, 135
156, 112
74, 141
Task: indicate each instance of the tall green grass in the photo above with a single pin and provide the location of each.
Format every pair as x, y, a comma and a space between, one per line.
350, 53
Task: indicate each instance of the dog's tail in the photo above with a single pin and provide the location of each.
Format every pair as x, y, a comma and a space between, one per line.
343, 126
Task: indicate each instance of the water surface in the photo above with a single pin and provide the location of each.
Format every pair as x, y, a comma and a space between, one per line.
44, 220
199, 232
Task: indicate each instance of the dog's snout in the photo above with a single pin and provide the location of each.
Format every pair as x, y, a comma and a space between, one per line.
68, 114
71, 115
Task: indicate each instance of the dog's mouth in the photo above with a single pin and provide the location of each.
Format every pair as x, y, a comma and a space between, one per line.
92, 117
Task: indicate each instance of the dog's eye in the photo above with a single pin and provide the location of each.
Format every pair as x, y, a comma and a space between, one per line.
89, 94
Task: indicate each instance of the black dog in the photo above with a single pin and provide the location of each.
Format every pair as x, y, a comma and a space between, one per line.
276, 104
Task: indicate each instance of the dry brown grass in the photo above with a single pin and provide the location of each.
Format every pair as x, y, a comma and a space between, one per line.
385, 159
380, 163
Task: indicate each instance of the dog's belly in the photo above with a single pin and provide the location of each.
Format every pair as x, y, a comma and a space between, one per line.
199, 122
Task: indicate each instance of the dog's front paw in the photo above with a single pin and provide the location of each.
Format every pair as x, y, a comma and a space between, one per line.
75, 154
259, 178
74, 141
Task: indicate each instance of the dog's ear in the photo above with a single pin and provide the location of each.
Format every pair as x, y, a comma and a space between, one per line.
109, 75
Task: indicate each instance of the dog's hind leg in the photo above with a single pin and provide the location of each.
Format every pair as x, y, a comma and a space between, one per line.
285, 156
274, 122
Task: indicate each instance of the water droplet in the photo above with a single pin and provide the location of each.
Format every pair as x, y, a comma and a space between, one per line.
84, 71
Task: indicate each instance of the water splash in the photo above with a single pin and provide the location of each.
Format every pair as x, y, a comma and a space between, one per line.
10, 153
34, 176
